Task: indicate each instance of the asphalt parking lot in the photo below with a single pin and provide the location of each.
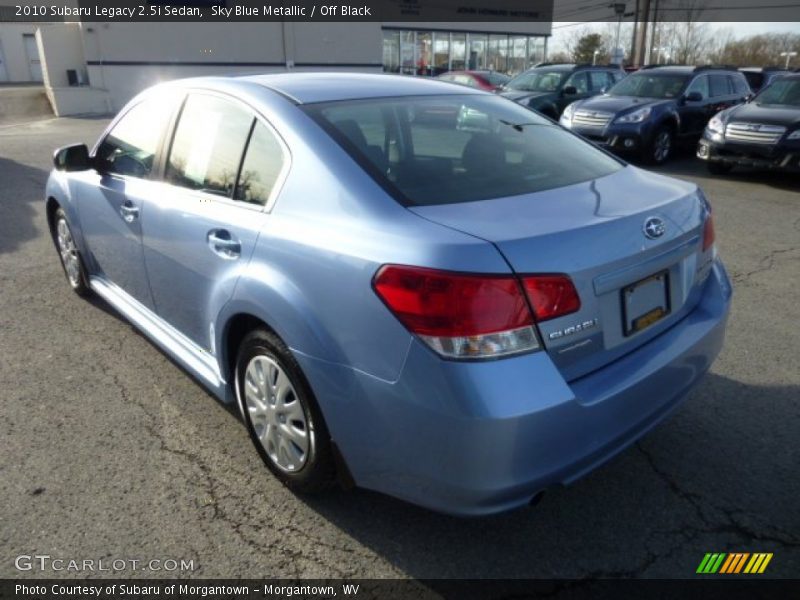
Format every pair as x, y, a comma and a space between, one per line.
109, 450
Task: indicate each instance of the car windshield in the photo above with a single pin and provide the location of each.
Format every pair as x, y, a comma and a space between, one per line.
497, 79
650, 85
783, 92
459, 148
537, 81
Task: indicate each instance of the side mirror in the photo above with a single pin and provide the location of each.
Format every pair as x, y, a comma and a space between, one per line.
693, 97
72, 158
570, 90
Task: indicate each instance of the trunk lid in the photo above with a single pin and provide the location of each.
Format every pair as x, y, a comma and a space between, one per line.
594, 232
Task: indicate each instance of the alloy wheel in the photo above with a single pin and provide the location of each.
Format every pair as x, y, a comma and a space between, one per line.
68, 252
278, 417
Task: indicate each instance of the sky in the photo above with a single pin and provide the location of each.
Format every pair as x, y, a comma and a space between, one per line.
739, 29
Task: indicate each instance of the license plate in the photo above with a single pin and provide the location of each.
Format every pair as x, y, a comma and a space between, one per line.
645, 302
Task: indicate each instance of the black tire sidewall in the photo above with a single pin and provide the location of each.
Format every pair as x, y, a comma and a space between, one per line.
317, 473
651, 157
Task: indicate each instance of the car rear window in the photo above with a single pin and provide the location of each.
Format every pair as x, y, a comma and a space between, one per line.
460, 148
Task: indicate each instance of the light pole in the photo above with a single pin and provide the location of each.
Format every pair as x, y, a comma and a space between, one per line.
619, 10
788, 56
594, 56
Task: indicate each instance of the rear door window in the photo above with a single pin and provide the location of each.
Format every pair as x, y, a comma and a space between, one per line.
719, 85
263, 163
739, 84
208, 144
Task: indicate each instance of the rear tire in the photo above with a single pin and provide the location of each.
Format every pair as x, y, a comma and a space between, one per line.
660, 148
282, 416
716, 168
71, 260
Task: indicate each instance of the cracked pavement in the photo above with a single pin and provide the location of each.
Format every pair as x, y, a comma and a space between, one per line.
109, 450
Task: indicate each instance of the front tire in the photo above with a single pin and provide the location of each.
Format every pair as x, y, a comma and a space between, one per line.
71, 260
281, 414
660, 148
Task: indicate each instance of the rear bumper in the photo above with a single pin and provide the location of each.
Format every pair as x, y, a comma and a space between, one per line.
749, 155
483, 437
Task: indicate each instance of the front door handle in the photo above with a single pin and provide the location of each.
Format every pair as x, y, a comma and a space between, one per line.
224, 244
129, 212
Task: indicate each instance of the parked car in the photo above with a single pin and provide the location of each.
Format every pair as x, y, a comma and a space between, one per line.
649, 111
549, 88
760, 77
483, 80
765, 132
457, 316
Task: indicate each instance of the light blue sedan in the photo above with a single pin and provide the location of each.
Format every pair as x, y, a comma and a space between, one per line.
403, 284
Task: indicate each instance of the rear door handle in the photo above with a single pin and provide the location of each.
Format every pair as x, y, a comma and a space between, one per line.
129, 212
223, 244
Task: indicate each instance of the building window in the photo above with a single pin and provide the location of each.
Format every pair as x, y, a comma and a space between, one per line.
497, 54
458, 49
431, 53
478, 44
518, 54
391, 51
441, 53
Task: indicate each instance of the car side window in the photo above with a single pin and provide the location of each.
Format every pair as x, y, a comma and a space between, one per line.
600, 80
740, 84
263, 162
700, 84
208, 144
719, 86
130, 147
580, 81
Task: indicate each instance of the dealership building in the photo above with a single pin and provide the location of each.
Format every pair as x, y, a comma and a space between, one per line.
95, 67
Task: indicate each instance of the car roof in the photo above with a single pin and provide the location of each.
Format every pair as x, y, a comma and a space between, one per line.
310, 87
670, 69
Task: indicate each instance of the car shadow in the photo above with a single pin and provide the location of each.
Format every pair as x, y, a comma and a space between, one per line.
18, 215
710, 470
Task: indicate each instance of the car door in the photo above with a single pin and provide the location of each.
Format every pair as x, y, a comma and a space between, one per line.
722, 93
110, 196
580, 81
220, 176
695, 114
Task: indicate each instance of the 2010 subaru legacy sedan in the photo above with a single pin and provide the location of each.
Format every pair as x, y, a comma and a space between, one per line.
428, 290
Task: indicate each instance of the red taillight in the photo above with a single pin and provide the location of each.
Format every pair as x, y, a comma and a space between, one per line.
551, 296
445, 304
708, 232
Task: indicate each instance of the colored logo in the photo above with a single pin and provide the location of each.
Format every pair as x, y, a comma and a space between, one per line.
734, 563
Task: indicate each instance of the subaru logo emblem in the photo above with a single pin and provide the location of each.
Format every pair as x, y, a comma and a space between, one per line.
654, 228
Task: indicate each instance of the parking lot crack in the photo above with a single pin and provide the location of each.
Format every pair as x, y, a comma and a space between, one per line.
766, 263
733, 525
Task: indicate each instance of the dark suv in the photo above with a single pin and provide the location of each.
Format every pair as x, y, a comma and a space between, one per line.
549, 88
765, 132
648, 111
